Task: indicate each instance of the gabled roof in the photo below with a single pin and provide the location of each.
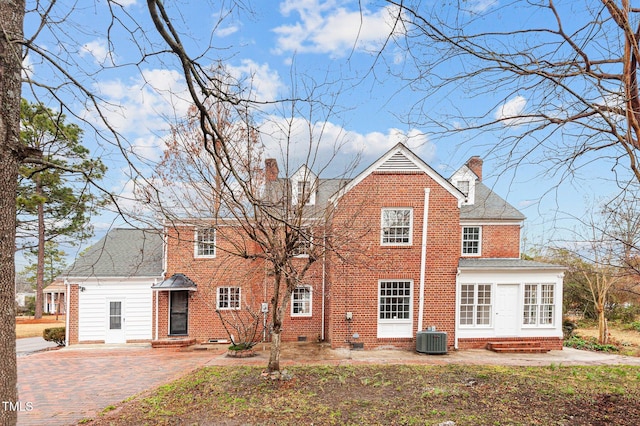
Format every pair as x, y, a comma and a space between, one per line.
489, 206
400, 159
123, 253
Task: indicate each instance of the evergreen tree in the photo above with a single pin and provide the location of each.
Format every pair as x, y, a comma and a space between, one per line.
54, 202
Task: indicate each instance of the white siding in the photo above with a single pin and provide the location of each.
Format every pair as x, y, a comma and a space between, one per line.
92, 315
506, 278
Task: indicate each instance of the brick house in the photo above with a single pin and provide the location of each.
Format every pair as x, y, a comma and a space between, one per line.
414, 251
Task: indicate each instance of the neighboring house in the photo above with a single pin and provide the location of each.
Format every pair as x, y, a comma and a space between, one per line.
419, 252
54, 298
109, 288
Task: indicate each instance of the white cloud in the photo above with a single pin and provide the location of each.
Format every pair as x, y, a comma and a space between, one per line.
325, 27
333, 146
263, 82
145, 104
479, 6
98, 50
510, 113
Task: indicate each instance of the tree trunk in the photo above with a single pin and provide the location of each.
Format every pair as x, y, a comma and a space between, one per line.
12, 16
274, 354
41, 248
603, 331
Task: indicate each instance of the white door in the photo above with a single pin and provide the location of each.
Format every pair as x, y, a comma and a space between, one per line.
506, 314
115, 322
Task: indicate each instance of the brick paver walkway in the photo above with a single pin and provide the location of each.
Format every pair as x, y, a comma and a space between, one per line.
67, 385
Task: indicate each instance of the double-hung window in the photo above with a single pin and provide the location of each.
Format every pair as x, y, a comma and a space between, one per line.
471, 237
228, 298
395, 309
395, 300
205, 242
396, 226
539, 304
303, 244
475, 305
301, 302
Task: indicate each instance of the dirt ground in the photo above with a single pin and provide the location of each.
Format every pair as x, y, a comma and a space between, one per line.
391, 395
627, 340
30, 327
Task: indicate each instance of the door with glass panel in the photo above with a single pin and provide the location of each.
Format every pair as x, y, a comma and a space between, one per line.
115, 321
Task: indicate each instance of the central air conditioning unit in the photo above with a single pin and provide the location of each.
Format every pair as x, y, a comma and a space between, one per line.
431, 342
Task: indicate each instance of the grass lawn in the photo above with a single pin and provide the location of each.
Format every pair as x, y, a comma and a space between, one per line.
390, 395
29, 327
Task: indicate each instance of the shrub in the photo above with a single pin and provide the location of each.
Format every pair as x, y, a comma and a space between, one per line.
54, 334
568, 327
589, 344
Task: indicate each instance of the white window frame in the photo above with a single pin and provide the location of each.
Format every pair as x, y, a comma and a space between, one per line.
199, 246
305, 189
307, 300
304, 245
539, 305
479, 241
226, 294
384, 225
395, 327
477, 304
464, 186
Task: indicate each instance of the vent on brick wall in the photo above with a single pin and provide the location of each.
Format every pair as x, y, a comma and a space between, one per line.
398, 162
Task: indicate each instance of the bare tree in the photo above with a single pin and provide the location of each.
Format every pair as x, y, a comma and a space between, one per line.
602, 255
269, 203
556, 83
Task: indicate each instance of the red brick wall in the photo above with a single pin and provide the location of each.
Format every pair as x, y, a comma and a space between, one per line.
228, 269
73, 312
501, 241
355, 277
549, 343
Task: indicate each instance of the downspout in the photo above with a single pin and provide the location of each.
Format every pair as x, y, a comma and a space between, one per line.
156, 293
423, 258
67, 297
155, 300
324, 272
457, 313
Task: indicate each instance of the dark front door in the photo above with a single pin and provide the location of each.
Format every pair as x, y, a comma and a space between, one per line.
179, 312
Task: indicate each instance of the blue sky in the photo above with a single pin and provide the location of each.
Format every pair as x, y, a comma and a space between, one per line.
278, 45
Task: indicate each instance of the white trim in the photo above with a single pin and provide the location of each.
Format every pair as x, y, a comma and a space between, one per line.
462, 241
410, 242
197, 243
476, 222
395, 328
420, 166
305, 314
230, 308
423, 257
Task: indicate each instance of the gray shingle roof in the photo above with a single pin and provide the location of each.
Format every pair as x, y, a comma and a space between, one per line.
489, 206
479, 263
121, 253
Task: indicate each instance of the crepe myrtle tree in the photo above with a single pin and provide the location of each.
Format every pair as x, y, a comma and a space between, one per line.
555, 85
601, 256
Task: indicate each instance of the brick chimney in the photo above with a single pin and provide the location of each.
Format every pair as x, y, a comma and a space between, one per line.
475, 164
271, 169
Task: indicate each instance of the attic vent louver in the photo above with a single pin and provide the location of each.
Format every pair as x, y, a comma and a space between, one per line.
398, 162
